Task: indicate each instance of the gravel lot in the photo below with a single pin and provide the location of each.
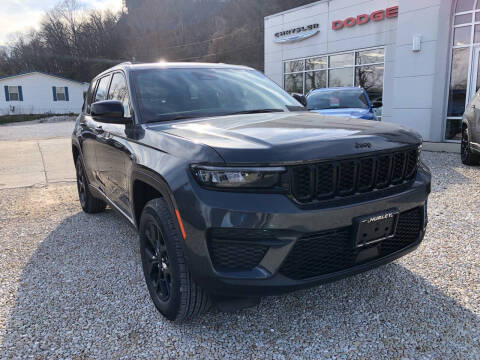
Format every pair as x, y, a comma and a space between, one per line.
71, 286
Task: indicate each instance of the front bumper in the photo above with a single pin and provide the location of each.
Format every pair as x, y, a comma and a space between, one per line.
272, 222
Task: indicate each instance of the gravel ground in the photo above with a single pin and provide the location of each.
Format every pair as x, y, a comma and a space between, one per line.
55, 126
71, 286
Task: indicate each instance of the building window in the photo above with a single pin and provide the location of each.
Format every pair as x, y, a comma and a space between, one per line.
60, 94
465, 61
13, 93
363, 68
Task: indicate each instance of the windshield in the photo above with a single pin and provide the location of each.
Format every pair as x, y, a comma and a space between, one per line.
180, 93
337, 99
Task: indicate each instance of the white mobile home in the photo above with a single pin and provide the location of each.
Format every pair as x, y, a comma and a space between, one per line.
39, 93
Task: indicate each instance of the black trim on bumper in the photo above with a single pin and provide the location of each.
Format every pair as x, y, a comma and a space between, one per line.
280, 284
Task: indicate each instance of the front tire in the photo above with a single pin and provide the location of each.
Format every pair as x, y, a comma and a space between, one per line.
468, 157
168, 279
90, 204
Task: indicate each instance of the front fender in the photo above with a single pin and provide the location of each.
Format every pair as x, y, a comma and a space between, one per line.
156, 181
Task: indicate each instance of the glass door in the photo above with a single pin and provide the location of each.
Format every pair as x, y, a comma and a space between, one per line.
475, 73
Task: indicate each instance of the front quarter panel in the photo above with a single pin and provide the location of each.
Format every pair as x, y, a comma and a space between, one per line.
165, 159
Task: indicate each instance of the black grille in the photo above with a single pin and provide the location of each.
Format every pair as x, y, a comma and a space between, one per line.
346, 181
230, 256
398, 172
302, 183
366, 175
411, 164
328, 180
331, 251
238, 249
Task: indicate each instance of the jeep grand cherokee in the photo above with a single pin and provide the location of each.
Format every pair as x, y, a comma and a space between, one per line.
237, 191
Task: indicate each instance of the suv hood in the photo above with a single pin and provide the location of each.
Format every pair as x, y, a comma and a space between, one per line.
289, 137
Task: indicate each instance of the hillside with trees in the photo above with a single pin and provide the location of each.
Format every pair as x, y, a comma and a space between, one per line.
79, 44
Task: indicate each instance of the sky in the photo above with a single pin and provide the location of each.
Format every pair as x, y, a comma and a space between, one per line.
24, 15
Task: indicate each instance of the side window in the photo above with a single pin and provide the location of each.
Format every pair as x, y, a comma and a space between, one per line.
119, 91
102, 89
89, 97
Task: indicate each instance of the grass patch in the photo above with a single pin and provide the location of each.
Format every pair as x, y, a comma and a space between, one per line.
7, 119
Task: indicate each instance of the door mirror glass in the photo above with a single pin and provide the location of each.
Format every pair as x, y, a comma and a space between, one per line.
108, 111
300, 98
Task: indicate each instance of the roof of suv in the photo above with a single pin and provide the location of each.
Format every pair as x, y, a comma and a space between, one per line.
171, 65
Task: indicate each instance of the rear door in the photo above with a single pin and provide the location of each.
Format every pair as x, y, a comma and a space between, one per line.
88, 137
113, 151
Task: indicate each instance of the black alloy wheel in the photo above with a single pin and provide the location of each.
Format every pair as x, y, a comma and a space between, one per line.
468, 157
81, 184
89, 203
158, 266
172, 289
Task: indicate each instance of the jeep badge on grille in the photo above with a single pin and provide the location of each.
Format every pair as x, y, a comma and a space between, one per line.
363, 145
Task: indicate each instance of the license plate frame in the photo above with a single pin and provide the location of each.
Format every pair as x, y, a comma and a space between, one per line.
375, 228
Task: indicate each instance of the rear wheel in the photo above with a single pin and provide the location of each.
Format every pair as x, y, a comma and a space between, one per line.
168, 279
468, 157
89, 203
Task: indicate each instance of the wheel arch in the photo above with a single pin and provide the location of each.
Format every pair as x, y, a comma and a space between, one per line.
147, 185
76, 150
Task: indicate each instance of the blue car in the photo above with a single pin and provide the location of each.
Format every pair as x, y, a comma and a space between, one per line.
342, 101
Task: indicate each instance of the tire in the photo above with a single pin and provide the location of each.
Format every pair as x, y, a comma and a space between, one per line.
466, 153
90, 204
172, 289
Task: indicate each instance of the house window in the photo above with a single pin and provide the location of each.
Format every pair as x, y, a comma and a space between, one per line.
13, 93
61, 94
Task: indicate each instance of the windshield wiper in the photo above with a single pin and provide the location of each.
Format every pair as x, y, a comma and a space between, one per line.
179, 117
183, 117
256, 111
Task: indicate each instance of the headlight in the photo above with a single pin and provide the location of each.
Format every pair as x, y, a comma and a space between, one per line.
238, 177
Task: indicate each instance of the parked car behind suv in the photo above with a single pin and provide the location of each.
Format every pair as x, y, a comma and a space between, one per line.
470, 144
236, 191
343, 101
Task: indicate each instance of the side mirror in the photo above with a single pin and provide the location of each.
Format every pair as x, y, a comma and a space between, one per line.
108, 111
300, 98
377, 104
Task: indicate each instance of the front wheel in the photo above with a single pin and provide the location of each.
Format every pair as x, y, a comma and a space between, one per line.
168, 279
468, 157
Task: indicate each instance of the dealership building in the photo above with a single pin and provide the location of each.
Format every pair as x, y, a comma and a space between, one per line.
418, 58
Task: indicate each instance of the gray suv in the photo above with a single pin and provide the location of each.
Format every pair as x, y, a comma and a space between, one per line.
236, 190
470, 145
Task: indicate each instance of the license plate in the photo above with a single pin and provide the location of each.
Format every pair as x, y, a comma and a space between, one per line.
375, 228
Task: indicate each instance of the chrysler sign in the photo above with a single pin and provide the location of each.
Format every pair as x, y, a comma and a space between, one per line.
297, 34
